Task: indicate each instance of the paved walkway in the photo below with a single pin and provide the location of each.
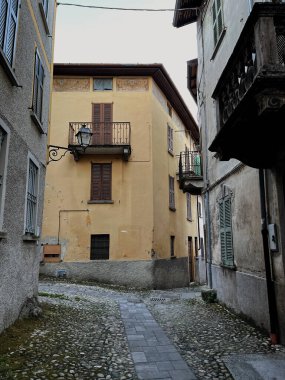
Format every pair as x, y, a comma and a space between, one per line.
154, 356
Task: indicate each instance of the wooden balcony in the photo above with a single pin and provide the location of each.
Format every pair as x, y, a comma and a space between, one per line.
250, 93
107, 139
190, 173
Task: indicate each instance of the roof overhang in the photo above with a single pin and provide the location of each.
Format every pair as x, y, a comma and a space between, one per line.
186, 12
156, 71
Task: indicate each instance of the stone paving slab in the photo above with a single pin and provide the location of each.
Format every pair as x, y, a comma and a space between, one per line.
154, 356
256, 367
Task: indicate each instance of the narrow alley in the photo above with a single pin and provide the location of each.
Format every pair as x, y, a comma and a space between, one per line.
92, 332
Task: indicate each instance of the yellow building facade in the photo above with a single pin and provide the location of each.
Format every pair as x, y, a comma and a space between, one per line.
119, 199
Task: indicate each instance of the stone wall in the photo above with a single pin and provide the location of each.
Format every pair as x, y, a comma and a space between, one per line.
148, 274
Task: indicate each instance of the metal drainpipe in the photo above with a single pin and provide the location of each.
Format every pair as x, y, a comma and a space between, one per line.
267, 261
207, 200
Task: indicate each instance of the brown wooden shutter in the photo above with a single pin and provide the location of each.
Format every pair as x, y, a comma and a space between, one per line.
102, 119
101, 184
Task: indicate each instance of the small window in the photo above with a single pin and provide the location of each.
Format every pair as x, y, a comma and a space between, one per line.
103, 84
189, 208
101, 182
38, 88
32, 198
170, 139
100, 245
171, 194
218, 21
9, 10
169, 109
227, 256
172, 240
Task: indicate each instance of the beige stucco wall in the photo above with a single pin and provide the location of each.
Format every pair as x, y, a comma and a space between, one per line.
139, 219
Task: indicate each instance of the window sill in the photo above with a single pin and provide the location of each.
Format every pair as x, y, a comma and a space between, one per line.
100, 202
172, 208
37, 122
3, 235
44, 18
218, 44
30, 238
8, 69
172, 257
171, 152
227, 266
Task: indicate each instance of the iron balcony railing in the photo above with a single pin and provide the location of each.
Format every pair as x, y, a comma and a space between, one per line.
190, 165
103, 134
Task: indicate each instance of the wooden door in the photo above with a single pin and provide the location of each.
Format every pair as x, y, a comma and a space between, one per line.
102, 119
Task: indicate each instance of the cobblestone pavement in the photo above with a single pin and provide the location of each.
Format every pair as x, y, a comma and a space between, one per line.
91, 332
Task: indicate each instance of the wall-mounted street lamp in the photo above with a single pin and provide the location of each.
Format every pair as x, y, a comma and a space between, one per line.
83, 137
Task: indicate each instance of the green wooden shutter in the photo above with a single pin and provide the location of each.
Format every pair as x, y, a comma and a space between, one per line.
226, 232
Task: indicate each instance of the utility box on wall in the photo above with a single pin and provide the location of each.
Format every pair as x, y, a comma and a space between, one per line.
52, 253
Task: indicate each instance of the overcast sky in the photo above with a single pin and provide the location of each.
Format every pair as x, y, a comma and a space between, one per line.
86, 35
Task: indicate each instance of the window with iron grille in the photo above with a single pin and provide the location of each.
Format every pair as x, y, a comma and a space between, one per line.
103, 84
172, 251
39, 75
170, 139
226, 236
9, 10
100, 245
171, 194
218, 21
101, 182
189, 209
32, 198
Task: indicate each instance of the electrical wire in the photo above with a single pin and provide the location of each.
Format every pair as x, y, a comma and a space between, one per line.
128, 9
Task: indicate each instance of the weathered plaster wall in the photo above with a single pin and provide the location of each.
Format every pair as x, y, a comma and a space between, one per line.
148, 274
19, 259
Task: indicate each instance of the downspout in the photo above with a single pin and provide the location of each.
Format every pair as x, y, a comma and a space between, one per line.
267, 262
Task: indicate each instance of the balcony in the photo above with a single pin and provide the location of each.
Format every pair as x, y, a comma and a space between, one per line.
250, 93
190, 172
107, 139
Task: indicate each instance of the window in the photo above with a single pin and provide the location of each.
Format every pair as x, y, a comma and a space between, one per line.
170, 139
38, 89
189, 209
45, 7
227, 257
172, 239
171, 194
218, 22
9, 10
100, 245
101, 175
32, 198
169, 109
103, 84
3, 164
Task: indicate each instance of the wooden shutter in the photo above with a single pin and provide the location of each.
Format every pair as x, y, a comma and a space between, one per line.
11, 28
171, 193
226, 232
38, 87
170, 139
101, 182
189, 209
3, 21
102, 119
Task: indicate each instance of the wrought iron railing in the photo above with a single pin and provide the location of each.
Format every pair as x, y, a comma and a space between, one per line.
103, 134
190, 165
259, 51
